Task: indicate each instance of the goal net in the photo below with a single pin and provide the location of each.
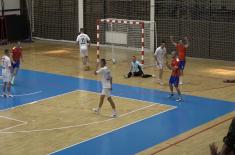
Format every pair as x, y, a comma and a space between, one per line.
130, 35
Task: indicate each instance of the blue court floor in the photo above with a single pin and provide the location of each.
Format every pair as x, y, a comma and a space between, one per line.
32, 86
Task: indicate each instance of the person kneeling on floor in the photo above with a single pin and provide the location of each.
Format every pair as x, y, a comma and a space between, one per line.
136, 69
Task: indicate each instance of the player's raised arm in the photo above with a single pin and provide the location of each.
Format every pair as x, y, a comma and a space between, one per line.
187, 42
172, 40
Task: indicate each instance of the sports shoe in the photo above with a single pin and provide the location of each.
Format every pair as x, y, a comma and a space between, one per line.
114, 115
161, 83
179, 99
170, 95
125, 76
9, 95
180, 82
96, 110
4, 95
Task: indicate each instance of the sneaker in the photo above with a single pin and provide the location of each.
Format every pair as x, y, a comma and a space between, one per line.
114, 115
125, 76
179, 99
96, 110
161, 83
9, 96
4, 95
170, 95
181, 83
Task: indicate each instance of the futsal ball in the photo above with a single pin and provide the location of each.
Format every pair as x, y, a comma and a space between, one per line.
114, 61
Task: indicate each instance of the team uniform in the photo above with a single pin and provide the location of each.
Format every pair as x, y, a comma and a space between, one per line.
83, 40
174, 79
6, 69
181, 49
105, 80
16, 55
160, 56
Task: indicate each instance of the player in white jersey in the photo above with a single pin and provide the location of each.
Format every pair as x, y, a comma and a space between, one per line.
106, 80
160, 56
84, 41
6, 73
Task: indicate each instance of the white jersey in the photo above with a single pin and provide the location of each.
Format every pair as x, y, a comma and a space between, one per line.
105, 77
135, 66
83, 39
160, 54
6, 64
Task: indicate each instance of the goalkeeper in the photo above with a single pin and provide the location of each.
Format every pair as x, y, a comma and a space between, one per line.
137, 69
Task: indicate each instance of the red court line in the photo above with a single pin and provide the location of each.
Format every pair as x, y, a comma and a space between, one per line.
177, 142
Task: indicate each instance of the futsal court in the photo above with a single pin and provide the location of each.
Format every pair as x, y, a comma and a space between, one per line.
51, 111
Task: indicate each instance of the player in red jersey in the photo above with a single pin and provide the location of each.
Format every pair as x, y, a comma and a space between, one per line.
181, 49
17, 57
174, 79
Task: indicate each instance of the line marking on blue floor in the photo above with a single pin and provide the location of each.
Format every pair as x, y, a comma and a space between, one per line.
97, 122
114, 130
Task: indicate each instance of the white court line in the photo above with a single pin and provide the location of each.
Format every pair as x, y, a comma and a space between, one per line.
28, 94
128, 98
14, 126
113, 130
38, 101
78, 125
91, 123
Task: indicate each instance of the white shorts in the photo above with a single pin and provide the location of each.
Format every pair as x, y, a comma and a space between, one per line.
106, 92
83, 51
6, 76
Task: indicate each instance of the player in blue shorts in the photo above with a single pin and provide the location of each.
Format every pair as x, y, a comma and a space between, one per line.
174, 79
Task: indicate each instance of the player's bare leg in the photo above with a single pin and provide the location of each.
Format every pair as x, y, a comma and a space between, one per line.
179, 94
84, 63
114, 113
15, 71
4, 89
97, 110
9, 89
160, 76
181, 77
171, 91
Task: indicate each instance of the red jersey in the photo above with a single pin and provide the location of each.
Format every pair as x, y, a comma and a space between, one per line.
181, 51
16, 53
175, 67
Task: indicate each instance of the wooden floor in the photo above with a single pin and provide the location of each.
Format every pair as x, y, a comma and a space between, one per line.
203, 77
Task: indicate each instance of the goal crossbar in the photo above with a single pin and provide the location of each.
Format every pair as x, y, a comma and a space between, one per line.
141, 24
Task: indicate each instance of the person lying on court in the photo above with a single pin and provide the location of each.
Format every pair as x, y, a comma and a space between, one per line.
136, 69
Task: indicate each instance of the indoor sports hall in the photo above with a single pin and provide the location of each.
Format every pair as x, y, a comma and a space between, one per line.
51, 96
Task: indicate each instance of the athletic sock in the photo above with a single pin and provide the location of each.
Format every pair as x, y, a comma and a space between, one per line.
13, 79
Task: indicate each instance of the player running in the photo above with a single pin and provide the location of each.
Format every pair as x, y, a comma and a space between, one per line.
6, 73
174, 79
181, 49
17, 58
83, 40
160, 56
106, 80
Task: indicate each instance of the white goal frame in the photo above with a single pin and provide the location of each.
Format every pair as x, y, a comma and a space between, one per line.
124, 21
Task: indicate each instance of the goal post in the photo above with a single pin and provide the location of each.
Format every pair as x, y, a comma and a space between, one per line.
125, 34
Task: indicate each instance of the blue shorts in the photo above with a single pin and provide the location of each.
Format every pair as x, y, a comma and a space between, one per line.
182, 65
16, 64
174, 80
